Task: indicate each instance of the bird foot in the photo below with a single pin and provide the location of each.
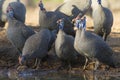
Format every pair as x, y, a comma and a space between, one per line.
21, 68
37, 68
60, 68
34, 67
64, 68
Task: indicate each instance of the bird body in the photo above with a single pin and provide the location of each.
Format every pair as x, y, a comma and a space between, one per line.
103, 20
93, 46
17, 32
36, 46
64, 46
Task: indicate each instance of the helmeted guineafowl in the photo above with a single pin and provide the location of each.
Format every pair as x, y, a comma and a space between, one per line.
72, 8
64, 47
47, 19
93, 47
36, 47
17, 32
103, 20
19, 10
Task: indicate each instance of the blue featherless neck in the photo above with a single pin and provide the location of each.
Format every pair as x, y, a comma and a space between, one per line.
84, 23
78, 22
81, 23
61, 25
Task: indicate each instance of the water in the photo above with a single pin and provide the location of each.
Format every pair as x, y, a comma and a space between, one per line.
55, 75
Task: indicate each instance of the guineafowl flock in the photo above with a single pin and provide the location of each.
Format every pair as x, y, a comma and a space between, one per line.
56, 28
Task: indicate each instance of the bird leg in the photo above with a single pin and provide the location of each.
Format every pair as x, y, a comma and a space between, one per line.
86, 61
104, 34
38, 64
63, 64
85, 77
107, 68
36, 61
70, 68
96, 64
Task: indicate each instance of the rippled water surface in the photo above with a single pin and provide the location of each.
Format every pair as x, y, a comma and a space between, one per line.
55, 75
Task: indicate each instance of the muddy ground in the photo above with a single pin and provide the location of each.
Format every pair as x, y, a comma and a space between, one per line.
9, 55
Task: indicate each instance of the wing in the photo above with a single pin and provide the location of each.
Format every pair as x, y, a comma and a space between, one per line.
27, 31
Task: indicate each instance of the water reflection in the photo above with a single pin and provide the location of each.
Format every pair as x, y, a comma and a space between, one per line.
53, 75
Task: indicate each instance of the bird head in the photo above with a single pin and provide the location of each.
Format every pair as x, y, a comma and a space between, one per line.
78, 21
79, 16
41, 5
99, 1
22, 60
60, 23
10, 11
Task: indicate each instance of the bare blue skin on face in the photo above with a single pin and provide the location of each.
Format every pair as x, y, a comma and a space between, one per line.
81, 23
61, 25
78, 23
10, 11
